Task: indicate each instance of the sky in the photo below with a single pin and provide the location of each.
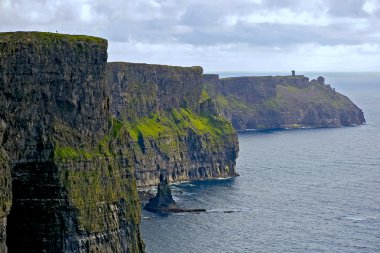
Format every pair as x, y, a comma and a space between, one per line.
219, 35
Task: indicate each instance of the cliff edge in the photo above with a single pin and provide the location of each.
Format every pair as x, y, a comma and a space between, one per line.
269, 102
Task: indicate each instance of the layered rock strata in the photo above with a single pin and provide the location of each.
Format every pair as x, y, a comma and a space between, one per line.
281, 102
169, 125
71, 192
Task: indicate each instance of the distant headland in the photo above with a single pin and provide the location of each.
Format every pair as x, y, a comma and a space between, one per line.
271, 102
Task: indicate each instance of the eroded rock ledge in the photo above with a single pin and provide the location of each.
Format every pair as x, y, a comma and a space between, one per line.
269, 102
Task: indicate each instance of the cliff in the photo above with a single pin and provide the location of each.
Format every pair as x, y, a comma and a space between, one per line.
270, 102
71, 192
167, 123
76, 132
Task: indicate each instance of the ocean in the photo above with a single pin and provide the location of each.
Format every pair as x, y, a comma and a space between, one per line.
305, 190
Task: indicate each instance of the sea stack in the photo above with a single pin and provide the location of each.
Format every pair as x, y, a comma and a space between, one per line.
163, 201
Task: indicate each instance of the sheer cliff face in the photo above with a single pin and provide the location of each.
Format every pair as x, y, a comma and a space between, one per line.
140, 89
70, 193
168, 125
281, 102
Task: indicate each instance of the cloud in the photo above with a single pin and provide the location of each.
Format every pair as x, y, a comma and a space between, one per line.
219, 34
370, 6
285, 17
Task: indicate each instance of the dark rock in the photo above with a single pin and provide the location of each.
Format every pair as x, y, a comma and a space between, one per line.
145, 195
209, 107
163, 201
321, 80
184, 210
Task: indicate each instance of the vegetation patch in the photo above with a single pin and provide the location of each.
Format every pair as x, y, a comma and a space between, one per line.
204, 96
92, 191
50, 37
222, 101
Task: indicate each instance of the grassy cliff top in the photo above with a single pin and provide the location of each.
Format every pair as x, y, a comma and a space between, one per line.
154, 66
48, 37
261, 77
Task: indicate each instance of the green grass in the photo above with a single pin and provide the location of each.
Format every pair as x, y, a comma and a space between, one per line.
116, 126
47, 36
235, 103
292, 89
212, 125
204, 96
273, 103
289, 77
66, 153
104, 182
92, 189
71, 153
176, 122
222, 101
164, 129
151, 127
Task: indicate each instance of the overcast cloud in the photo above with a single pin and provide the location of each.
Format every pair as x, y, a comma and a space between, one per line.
250, 35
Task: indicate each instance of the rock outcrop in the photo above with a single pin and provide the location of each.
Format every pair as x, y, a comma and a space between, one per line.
163, 201
167, 123
71, 191
270, 102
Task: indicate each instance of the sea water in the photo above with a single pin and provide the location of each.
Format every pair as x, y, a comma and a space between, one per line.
308, 190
